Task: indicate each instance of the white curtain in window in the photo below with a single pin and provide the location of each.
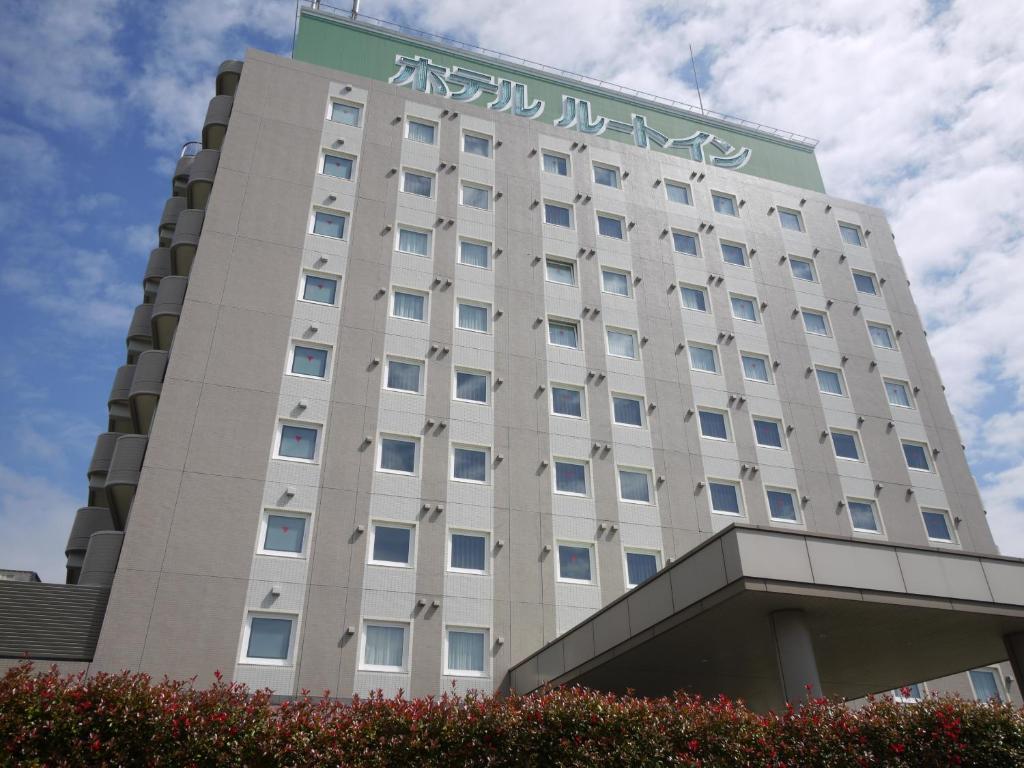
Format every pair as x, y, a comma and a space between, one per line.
694, 299
703, 359
411, 241
880, 336
570, 478
468, 552
474, 254
634, 485
755, 368
562, 334
470, 464
385, 646
616, 282
409, 305
897, 394
815, 323
421, 132
744, 309
829, 382
466, 651
404, 376
472, 317
621, 344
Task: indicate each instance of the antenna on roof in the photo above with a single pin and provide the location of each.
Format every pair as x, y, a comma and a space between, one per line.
355, 8
695, 80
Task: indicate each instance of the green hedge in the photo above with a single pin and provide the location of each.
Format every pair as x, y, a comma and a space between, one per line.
130, 719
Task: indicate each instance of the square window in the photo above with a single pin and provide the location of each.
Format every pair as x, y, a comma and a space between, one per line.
897, 394
725, 498
733, 253
414, 241
337, 165
909, 694
635, 485
846, 445
694, 298
476, 144
622, 344
557, 271
744, 308
640, 566
557, 215
320, 289
404, 376
283, 534
864, 516
678, 193
468, 552
628, 410
471, 386
606, 176
297, 442
269, 639
343, 112
384, 647
791, 220
937, 525
802, 269
865, 283
309, 361
713, 424
410, 306
782, 505
815, 322
421, 131
562, 333
985, 683
473, 317
917, 456
574, 563
476, 197
571, 477
830, 381
685, 242
850, 234
881, 336
466, 652
474, 254
566, 401
391, 544
768, 432
329, 224
610, 226
418, 184
397, 455
724, 204
703, 358
755, 368
470, 464
556, 164
613, 281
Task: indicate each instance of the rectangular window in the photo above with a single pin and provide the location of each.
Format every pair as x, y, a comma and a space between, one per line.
297, 443
606, 176
470, 464
622, 344
694, 298
475, 144
725, 204
567, 401
703, 358
421, 131
725, 498
846, 445
342, 112
557, 215
744, 308
473, 317
610, 226
329, 224
733, 253
815, 322
937, 525
414, 241
269, 639
476, 197
635, 485
384, 647
713, 424
685, 242
640, 566
790, 220
309, 361
830, 381
985, 683
782, 505
283, 534
571, 477
404, 376
881, 336
474, 254
471, 386
411, 306
574, 563
897, 394
917, 455
391, 544
397, 455
556, 164
417, 184
562, 333
338, 166
802, 269
768, 432
468, 552
678, 193
865, 283
613, 281
628, 410
863, 515
557, 271
909, 694
755, 368
850, 234
320, 289
466, 652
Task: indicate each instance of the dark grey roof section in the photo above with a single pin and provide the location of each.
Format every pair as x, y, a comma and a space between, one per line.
186, 240
200, 180
157, 268
215, 126
169, 218
59, 622
228, 74
167, 310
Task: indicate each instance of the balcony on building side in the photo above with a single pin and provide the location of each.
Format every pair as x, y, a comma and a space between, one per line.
200, 180
215, 126
227, 77
140, 332
146, 387
167, 310
169, 219
123, 476
186, 240
157, 268
119, 414
88, 520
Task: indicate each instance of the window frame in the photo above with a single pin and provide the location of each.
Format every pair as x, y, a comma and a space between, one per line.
555, 460
725, 196
489, 247
770, 380
261, 540
609, 329
432, 124
733, 244
456, 370
480, 187
325, 153
360, 108
792, 212
875, 512
659, 562
683, 287
953, 539
406, 628
822, 313
801, 260
854, 228
843, 391
343, 215
279, 436
552, 386
557, 204
888, 331
588, 545
907, 390
686, 233
474, 303
418, 172
307, 273
997, 675
781, 429
417, 230
854, 273
624, 273
598, 215
682, 185
477, 533
389, 359
652, 498
794, 494
856, 443
567, 322
293, 350
477, 135
740, 501
417, 448
373, 523
564, 261
616, 171
926, 452
718, 412
753, 303
289, 660
485, 632
636, 398
484, 449
396, 289
714, 352
561, 156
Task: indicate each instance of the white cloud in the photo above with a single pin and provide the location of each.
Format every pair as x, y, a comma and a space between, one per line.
36, 518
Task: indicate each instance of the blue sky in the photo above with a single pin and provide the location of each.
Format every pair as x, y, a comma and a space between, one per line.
916, 104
